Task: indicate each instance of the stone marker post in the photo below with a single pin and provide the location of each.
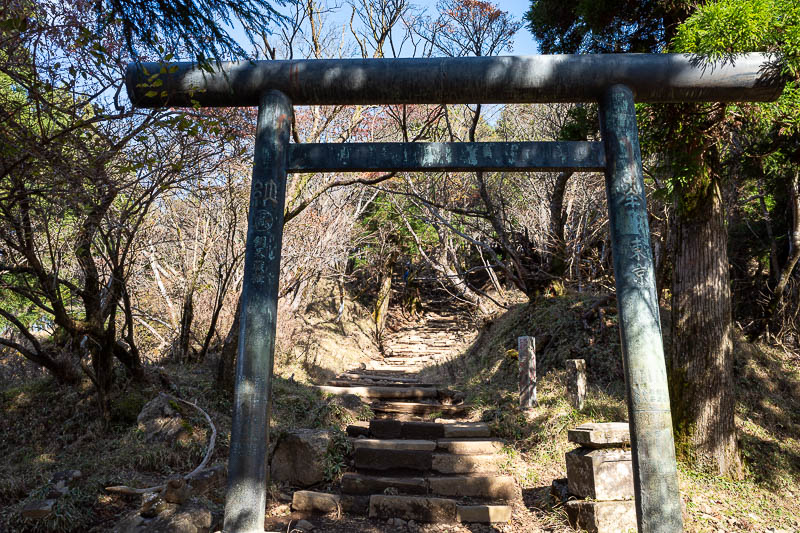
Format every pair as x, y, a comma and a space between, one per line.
576, 382
526, 348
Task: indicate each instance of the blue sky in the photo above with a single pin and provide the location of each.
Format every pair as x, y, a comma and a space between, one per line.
524, 43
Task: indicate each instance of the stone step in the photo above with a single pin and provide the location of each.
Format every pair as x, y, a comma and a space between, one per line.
420, 409
382, 383
355, 375
394, 444
470, 446
436, 510
423, 461
380, 392
476, 486
452, 446
395, 429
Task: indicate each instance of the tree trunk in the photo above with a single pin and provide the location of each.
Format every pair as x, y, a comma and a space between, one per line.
185, 337
382, 303
700, 365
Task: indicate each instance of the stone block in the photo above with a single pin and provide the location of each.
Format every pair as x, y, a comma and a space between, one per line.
359, 484
315, 502
487, 487
486, 514
422, 430
601, 435
417, 508
446, 463
376, 459
385, 429
358, 429
602, 517
603, 474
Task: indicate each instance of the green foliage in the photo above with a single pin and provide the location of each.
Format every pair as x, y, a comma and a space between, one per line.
336, 455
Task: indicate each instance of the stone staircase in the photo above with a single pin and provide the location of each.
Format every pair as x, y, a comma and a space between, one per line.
419, 459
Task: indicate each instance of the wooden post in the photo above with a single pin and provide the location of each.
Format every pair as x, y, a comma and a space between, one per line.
576, 382
527, 372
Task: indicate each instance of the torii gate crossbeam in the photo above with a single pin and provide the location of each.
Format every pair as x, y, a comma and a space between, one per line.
613, 81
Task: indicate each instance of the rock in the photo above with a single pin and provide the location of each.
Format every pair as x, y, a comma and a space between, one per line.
358, 429
161, 420
602, 517
576, 382
470, 447
207, 480
395, 444
188, 518
315, 502
417, 508
486, 514
604, 435
299, 457
38, 509
354, 504
304, 525
177, 491
604, 474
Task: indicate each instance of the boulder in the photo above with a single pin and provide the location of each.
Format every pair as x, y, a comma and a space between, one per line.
299, 457
315, 502
161, 420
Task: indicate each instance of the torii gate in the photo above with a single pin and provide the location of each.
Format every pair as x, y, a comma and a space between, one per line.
614, 81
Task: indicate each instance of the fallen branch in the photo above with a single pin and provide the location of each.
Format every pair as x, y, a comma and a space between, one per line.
595, 309
124, 489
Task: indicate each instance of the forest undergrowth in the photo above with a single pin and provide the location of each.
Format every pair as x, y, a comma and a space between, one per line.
47, 428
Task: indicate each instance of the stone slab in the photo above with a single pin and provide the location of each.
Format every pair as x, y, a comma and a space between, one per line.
601, 435
600, 474
359, 484
419, 508
602, 517
376, 459
487, 487
447, 463
486, 514
470, 446
395, 444
314, 502
466, 430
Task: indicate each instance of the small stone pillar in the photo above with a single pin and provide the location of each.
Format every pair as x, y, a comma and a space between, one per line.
600, 472
576, 382
526, 348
